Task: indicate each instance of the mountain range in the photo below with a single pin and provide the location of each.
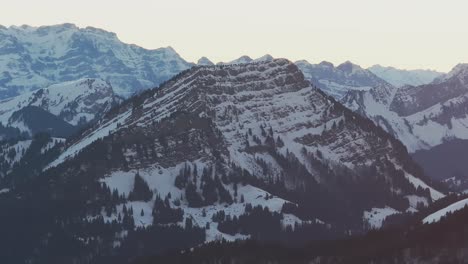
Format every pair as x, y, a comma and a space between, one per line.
205, 157
399, 78
116, 152
35, 57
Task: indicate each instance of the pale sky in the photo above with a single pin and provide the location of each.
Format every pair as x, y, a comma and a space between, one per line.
407, 34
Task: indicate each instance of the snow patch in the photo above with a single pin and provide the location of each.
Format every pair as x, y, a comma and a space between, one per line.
435, 217
376, 216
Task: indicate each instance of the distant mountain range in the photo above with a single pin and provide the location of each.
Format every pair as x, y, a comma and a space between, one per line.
36, 57
338, 81
32, 58
399, 78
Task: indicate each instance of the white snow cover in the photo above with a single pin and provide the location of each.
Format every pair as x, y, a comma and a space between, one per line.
85, 97
376, 216
414, 200
419, 130
20, 148
161, 182
54, 141
435, 195
435, 217
94, 135
339, 90
37, 57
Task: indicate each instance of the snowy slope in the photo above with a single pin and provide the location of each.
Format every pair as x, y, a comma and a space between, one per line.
161, 181
420, 116
37, 57
399, 78
18, 148
435, 217
76, 102
13, 152
376, 216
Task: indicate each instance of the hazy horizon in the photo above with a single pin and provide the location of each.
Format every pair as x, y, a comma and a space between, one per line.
402, 34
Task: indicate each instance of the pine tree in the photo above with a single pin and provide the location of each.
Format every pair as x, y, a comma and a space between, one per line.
188, 223
193, 198
141, 191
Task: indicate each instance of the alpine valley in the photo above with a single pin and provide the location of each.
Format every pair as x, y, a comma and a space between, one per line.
112, 153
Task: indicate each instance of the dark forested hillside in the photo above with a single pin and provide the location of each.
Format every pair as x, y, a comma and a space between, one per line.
443, 242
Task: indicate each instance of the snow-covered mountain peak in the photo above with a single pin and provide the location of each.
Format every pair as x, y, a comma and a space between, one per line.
204, 61
33, 58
